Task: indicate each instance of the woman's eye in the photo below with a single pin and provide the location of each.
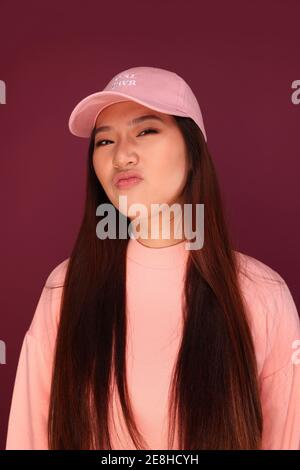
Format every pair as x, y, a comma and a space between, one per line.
99, 143
149, 130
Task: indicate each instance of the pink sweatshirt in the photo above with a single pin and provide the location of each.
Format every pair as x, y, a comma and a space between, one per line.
154, 288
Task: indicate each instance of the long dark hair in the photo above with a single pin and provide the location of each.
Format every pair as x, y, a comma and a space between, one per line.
214, 401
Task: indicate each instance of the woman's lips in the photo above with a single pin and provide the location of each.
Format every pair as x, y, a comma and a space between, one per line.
128, 182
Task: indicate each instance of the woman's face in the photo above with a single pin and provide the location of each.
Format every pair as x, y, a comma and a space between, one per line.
159, 155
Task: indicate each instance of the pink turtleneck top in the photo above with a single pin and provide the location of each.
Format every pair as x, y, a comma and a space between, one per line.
154, 288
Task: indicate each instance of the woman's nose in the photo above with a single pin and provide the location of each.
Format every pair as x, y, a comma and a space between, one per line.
125, 153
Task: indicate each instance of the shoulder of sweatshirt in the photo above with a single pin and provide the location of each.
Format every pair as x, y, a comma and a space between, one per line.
44, 323
259, 282
57, 275
272, 313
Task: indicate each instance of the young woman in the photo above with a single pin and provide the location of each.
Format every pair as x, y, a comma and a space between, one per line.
151, 342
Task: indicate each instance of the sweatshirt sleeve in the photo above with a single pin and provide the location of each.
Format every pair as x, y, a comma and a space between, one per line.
27, 425
280, 377
28, 417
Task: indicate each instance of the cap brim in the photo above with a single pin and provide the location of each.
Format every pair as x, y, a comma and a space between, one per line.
83, 117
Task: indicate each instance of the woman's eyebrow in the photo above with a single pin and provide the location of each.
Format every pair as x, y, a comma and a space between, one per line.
130, 123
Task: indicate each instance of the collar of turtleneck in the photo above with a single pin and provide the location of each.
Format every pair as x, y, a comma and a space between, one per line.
163, 257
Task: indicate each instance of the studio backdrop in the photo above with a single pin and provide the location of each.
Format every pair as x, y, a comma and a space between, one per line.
241, 58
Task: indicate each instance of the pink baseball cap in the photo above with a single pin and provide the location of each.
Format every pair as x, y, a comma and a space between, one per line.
159, 89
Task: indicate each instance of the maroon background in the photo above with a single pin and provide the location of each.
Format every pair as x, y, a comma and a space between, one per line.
239, 57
